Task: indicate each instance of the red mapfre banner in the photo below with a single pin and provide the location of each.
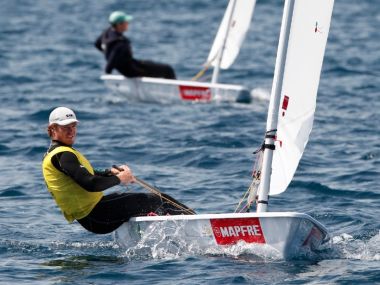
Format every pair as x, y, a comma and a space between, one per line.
230, 231
195, 93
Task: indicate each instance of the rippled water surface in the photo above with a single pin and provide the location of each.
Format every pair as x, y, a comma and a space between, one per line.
199, 153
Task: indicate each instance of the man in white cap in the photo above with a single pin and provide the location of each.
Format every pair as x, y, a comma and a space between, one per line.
118, 51
77, 187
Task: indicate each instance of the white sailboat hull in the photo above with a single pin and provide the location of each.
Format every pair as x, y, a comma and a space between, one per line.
161, 90
288, 234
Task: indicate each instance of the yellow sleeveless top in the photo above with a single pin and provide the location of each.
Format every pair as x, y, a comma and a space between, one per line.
74, 201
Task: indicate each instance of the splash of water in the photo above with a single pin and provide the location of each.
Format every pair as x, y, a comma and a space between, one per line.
347, 247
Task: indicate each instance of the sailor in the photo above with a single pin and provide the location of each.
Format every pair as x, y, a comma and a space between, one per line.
77, 187
118, 51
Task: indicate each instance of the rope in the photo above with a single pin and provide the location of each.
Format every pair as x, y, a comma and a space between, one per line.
239, 208
200, 73
204, 69
158, 192
253, 187
154, 190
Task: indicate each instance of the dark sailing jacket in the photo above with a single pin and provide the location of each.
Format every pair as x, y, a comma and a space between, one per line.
118, 53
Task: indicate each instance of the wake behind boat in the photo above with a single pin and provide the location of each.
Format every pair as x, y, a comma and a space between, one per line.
225, 49
303, 37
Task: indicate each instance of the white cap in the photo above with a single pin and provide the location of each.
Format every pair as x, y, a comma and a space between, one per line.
62, 116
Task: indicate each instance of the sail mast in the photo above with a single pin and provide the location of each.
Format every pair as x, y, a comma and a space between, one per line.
220, 52
274, 107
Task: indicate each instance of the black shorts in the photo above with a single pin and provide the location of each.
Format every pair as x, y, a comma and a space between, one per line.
148, 68
156, 69
117, 208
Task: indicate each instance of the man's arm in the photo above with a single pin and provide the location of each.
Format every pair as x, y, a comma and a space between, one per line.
98, 43
68, 163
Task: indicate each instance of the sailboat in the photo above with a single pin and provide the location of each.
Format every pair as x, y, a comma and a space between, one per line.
303, 37
226, 47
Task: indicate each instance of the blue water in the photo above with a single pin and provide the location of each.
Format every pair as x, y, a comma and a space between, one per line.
199, 153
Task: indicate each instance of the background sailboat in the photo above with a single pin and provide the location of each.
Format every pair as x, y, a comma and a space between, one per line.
225, 49
231, 35
302, 42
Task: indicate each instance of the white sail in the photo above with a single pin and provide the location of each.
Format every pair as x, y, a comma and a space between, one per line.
310, 23
231, 36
